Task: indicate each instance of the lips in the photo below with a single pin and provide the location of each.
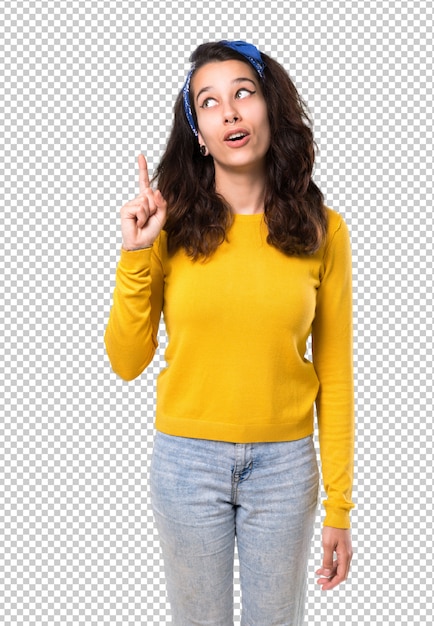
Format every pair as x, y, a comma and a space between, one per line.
236, 135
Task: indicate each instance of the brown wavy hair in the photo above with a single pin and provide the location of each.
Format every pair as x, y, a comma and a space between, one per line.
198, 218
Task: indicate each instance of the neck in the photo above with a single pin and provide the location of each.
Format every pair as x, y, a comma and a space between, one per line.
243, 191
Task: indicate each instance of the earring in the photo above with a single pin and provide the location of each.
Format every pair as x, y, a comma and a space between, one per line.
203, 151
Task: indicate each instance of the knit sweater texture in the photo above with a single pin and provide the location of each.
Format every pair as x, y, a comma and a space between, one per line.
238, 325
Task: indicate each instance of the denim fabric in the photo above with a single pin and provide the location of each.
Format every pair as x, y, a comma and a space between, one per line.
207, 494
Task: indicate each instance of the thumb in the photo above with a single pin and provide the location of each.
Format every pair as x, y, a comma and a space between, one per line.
327, 560
159, 200
161, 207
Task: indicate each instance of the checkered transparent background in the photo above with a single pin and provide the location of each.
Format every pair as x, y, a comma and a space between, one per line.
85, 86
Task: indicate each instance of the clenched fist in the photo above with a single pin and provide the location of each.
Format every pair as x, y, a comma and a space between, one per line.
143, 218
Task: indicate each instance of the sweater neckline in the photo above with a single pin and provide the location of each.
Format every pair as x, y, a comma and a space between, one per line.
248, 218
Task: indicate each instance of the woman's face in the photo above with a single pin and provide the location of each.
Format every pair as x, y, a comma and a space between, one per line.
231, 114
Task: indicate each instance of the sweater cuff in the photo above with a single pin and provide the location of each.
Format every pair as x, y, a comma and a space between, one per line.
337, 518
135, 259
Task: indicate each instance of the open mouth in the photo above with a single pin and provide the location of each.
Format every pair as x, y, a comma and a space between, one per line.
236, 137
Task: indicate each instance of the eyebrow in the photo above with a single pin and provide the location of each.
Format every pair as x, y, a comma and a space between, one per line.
234, 82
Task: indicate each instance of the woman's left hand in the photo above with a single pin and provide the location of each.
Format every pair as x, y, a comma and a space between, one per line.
335, 571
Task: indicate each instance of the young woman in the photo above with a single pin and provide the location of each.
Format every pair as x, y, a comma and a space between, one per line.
239, 253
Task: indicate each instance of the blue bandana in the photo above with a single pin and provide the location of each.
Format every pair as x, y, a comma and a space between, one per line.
249, 52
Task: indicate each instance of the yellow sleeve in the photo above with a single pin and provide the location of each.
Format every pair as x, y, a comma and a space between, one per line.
131, 333
333, 362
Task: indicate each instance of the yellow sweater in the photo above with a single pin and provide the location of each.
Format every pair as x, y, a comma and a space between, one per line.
237, 327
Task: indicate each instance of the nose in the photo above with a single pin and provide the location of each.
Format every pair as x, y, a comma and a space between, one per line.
230, 113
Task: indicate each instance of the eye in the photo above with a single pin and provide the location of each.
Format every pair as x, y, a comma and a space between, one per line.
208, 103
243, 93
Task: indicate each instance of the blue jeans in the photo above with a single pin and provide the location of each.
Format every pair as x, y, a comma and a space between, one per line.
207, 493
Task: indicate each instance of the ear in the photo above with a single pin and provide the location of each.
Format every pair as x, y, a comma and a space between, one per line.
202, 145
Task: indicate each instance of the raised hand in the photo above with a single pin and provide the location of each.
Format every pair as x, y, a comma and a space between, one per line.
143, 218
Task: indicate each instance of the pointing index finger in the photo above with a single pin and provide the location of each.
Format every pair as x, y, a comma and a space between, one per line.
143, 174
